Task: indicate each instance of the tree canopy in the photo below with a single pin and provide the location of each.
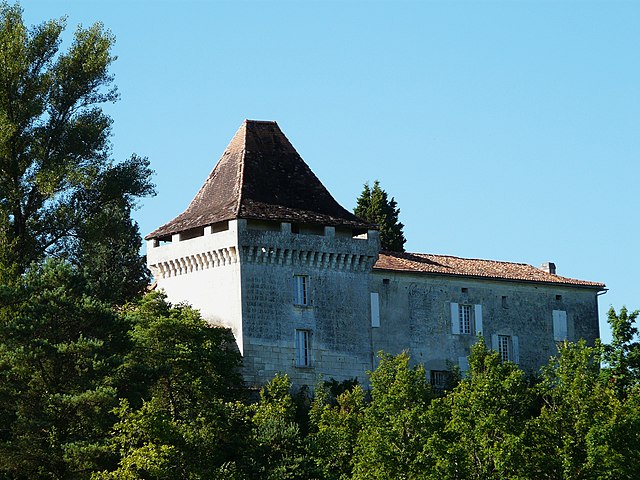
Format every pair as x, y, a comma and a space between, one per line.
58, 184
374, 206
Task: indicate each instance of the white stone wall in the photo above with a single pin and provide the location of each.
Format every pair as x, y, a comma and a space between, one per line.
205, 272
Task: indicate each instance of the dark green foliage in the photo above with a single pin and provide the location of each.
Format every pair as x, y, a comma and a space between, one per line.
58, 350
336, 423
58, 187
373, 206
336, 388
180, 378
106, 242
177, 357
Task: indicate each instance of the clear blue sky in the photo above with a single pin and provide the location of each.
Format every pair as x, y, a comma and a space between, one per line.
505, 130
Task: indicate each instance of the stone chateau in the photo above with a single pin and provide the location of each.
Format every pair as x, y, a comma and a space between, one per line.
265, 249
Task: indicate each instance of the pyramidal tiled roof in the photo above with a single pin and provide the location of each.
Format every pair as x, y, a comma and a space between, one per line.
261, 176
472, 267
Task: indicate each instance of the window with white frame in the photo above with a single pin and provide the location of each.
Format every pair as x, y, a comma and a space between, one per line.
507, 346
504, 348
303, 358
466, 319
301, 290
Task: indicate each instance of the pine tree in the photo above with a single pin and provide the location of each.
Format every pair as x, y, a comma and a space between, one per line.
374, 206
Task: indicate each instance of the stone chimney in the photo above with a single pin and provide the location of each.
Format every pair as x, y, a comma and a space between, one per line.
549, 267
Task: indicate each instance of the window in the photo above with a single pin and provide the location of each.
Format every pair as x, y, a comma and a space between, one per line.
504, 348
375, 310
301, 290
464, 314
507, 347
439, 379
302, 348
466, 319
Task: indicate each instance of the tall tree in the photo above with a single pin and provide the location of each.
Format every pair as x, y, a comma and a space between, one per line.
583, 429
55, 165
622, 356
59, 349
481, 422
179, 373
391, 441
335, 430
374, 206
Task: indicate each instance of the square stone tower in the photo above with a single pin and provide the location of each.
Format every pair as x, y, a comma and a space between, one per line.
265, 249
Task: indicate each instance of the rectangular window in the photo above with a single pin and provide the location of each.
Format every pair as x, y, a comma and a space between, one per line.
375, 310
466, 319
464, 315
504, 348
301, 290
302, 348
439, 379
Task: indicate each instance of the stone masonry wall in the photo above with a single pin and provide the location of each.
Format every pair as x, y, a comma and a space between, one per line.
415, 315
337, 314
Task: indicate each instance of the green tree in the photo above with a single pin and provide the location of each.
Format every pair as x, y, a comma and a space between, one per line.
180, 379
279, 450
622, 356
480, 426
177, 357
374, 206
55, 166
584, 431
59, 349
391, 441
335, 430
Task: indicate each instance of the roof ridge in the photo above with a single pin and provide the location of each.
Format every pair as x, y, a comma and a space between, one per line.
240, 175
247, 120
467, 258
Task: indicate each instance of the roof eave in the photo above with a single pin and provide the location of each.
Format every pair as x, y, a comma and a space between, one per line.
598, 287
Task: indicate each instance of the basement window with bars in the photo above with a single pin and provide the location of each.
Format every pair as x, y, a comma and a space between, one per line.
301, 290
439, 379
303, 350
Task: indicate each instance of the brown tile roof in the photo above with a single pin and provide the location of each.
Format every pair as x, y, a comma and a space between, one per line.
471, 267
261, 176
